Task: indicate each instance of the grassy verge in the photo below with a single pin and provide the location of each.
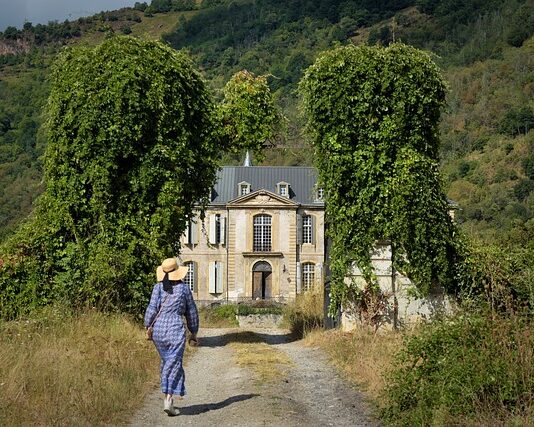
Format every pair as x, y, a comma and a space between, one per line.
362, 356
58, 368
467, 370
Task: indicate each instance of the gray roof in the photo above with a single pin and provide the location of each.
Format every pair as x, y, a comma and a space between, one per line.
301, 180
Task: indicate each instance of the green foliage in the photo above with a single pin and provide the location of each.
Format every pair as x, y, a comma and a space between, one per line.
518, 121
500, 278
523, 189
21, 144
373, 114
246, 309
523, 25
452, 369
130, 152
248, 114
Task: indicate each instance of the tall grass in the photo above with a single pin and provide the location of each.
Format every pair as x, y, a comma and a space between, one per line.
59, 368
305, 314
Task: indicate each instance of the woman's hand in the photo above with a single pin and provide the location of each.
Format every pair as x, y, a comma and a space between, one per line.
193, 341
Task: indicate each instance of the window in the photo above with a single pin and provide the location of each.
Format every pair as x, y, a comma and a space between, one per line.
283, 189
308, 276
190, 233
262, 233
215, 271
217, 229
189, 278
243, 188
307, 229
320, 194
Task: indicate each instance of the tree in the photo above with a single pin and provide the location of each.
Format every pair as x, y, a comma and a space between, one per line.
249, 118
130, 153
372, 116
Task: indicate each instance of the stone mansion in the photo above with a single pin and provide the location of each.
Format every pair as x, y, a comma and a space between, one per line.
262, 236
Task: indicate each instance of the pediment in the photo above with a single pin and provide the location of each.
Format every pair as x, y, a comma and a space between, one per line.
262, 198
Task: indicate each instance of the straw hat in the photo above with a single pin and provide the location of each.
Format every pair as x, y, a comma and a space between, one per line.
170, 266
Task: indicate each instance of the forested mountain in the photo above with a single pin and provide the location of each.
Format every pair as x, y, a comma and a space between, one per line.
484, 47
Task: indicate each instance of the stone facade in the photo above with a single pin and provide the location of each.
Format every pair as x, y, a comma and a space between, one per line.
231, 259
402, 306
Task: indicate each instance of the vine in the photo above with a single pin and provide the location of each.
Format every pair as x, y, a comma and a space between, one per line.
131, 150
373, 117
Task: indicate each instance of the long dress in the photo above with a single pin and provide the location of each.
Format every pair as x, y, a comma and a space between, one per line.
169, 331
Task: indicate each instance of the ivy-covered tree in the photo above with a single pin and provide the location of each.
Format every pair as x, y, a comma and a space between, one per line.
249, 117
130, 152
373, 117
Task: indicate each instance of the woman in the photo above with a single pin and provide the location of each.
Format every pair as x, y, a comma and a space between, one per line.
171, 299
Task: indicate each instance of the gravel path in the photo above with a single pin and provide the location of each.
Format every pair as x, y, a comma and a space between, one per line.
224, 394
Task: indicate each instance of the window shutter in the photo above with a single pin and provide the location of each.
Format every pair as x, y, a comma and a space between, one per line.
312, 229
223, 230
218, 287
194, 233
195, 275
187, 239
299, 229
299, 279
213, 234
212, 278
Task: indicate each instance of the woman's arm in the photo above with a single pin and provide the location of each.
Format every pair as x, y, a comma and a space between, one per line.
191, 312
153, 306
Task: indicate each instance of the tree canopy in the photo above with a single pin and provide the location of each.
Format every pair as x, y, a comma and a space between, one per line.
249, 117
131, 150
373, 117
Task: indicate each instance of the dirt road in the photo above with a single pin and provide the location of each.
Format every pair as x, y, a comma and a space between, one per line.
223, 393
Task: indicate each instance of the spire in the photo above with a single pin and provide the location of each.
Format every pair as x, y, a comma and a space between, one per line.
248, 162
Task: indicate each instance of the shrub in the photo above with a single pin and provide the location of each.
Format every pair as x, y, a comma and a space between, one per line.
222, 316
463, 368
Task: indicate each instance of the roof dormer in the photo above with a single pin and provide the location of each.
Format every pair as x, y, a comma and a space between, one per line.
282, 189
243, 188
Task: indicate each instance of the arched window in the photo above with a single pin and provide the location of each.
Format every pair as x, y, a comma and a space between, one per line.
189, 278
262, 233
308, 276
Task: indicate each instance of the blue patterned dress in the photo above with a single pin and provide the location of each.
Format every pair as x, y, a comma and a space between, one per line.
169, 332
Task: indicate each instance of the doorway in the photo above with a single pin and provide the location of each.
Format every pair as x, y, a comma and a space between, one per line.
262, 280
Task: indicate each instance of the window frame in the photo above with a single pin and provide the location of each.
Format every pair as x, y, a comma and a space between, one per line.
262, 233
307, 229
308, 276
189, 278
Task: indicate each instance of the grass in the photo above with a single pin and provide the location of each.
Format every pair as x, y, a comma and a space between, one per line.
267, 363
58, 368
152, 28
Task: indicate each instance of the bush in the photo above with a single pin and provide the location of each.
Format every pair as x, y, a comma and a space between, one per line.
218, 317
463, 368
246, 309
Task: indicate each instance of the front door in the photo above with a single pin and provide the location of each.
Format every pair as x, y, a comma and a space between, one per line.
261, 280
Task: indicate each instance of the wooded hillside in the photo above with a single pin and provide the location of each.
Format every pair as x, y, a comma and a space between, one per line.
484, 48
